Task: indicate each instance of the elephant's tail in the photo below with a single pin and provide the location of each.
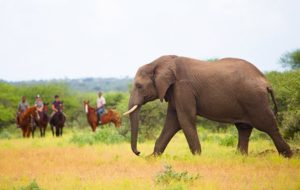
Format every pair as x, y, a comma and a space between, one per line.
271, 92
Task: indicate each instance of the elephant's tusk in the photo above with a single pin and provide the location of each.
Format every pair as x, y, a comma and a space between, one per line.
131, 110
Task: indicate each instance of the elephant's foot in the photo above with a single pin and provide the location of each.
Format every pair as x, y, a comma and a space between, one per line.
242, 149
156, 154
196, 152
286, 152
153, 155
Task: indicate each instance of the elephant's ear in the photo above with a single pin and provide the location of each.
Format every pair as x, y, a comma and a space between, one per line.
164, 75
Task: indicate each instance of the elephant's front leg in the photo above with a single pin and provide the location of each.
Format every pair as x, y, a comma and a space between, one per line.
170, 129
186, 111
188, 125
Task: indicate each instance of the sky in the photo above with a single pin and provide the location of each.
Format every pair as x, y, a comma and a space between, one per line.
56, 39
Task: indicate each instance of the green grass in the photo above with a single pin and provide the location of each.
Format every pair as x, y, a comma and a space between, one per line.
107, 163
105, 135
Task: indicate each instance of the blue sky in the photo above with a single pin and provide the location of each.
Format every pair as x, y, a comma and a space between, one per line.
112, 38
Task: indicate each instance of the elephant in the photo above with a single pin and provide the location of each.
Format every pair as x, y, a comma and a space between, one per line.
228, 90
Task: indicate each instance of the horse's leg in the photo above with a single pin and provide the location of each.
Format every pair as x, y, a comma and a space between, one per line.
52, 130
23, 131
94, 126
41, 130
32, 130
44, 131
28, 132
57, 131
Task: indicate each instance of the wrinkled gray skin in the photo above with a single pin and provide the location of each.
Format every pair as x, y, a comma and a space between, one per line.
228, 90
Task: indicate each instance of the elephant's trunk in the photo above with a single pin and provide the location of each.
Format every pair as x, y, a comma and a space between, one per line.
134, 122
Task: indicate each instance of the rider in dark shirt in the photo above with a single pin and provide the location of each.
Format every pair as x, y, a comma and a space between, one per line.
57, 106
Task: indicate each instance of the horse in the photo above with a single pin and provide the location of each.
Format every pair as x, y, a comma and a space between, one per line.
111, 116
26, 120
57, 121
42, 122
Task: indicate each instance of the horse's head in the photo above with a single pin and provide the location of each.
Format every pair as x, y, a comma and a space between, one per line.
30, 112
86, 106
35, 113
46, 107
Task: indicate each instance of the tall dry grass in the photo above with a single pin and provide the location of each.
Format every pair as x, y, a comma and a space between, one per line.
56, 163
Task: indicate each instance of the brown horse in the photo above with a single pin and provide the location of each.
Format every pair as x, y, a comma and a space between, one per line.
110, 117
26, 120
42, 122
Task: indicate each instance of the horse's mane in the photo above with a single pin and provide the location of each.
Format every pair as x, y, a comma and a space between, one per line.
91, 108
28, 112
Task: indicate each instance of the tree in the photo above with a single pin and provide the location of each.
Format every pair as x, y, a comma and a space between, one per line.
291, 59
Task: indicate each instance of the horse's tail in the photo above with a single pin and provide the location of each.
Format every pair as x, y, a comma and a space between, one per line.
271, 92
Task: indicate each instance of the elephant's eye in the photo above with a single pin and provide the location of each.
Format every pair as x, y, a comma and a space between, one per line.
138, 86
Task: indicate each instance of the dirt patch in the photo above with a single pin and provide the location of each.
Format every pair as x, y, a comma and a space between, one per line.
267, 152
296, 152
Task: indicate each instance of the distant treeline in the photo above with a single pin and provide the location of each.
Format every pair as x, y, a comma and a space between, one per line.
86, 84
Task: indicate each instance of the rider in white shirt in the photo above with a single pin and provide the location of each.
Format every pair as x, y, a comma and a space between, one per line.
100, 106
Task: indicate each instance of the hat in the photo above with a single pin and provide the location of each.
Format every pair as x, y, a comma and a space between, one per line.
37, 96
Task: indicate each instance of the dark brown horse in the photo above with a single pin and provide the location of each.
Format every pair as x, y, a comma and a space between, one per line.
42, 122
110, 117
57, 121
26, 120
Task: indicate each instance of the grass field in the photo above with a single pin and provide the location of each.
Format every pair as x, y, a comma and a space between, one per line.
57, 163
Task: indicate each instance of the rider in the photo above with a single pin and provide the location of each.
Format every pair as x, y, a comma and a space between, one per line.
100, 106
39, 103
23, 106
57, 106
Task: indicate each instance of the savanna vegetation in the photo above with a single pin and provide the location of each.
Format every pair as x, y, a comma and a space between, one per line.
285, 84
103, 160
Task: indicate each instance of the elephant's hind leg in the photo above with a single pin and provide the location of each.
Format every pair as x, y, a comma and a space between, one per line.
244, 131
266, 122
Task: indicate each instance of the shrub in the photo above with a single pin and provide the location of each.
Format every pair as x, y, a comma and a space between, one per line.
31, 186
169, 176
152, 118
291, 124
4, 134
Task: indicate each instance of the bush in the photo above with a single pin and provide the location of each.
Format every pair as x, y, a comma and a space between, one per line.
106, 136
291, 124
4, 134
32, 186
169, 176
152, 118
